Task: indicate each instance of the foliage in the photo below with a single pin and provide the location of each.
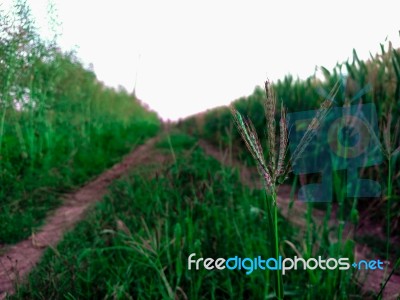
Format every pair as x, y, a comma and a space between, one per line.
136, 242
376, 80
59, 126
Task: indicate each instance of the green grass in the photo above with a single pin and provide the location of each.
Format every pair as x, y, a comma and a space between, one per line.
59, 126
177, 141
380, 76
135, 243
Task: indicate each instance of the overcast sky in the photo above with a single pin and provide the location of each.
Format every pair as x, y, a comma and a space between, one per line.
188, 56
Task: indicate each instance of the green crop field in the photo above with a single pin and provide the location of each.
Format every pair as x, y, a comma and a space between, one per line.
59, 126
374, 81
195, 189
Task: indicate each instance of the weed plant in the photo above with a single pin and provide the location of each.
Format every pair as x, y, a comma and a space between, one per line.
376, 80
276, 170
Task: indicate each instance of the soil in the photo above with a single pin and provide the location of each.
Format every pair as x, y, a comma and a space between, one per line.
17, 260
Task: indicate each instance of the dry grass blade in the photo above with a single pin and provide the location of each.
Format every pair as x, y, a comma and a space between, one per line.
270, 107
320, 115
249, 135
283, 142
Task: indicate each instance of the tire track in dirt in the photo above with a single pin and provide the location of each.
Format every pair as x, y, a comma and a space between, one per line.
17, 260
295, 212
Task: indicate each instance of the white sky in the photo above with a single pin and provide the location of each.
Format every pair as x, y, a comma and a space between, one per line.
194, 55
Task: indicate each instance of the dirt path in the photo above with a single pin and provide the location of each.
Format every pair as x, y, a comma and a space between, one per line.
369, 281
19, 259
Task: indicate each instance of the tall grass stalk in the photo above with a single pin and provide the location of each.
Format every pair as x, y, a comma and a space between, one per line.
276, 170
